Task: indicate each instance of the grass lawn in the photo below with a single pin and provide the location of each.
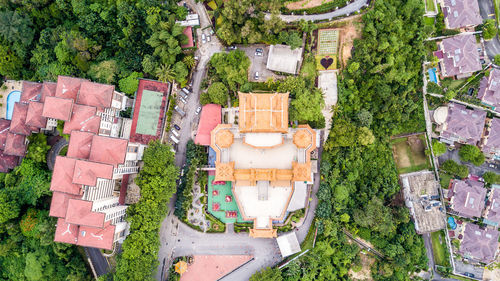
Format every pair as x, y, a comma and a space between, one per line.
333, 61
309, 67
429, 21
444, 180
430, 5
439, 248
410, 155
456, 84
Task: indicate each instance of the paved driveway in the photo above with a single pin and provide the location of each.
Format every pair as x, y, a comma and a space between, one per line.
479, 171
257, 63
99, 262
487, 11
462, 268
347, 10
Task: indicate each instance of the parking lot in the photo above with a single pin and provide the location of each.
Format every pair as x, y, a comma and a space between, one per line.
461, 268
258, 63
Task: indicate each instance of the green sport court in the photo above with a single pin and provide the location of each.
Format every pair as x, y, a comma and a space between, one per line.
149, 113
218, 200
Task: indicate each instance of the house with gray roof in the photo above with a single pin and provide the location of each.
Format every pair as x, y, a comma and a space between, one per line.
461, 13
492, 213
463, 125
490, 144
458, 56
489, 90
479, 244
468, 198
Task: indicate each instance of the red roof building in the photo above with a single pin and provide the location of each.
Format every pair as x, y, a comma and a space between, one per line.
80, 212
59, 204
79, 144
4, 131
108, 150
209, 119
83, 118
57, 108
95, 94
15, 145
87, 172
188, 31
62, 177
68, 87
97, 237
34, 116
65, 232
18, 122
30, 92
7, 162
48, 90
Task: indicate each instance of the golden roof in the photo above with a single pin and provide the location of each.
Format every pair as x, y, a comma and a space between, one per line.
263, 233
181, 267
224, 138
301, 171
263, 112
224, 171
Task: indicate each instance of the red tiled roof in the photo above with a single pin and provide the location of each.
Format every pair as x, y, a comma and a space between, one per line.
80, 212
48, 90
87, 172
34, 116
57, 108
209, 119
108, 150
62, 177
101, 238
15, 145
95, 94
188, 31
213, 267
79, 144
65, 232
31, 91
18, 122
68, 87
84, 119
4, 131
152, 86
7, 162
59, 204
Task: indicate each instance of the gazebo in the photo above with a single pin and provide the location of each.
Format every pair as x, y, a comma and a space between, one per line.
181, 267
229, 198
215, 206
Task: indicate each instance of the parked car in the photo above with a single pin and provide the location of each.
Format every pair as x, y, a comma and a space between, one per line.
470, 91
211, 31
208, 38
231, 48
482, 61
198, 110
177, 127
203, 39
469, 274
183, 100
258, 54
257, 75
492, 166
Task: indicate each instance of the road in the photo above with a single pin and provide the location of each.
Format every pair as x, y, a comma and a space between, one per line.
347, 10
475, 170
101, 265
487, 11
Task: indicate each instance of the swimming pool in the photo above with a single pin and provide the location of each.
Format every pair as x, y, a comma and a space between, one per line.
432, 75
12, 98
451, 222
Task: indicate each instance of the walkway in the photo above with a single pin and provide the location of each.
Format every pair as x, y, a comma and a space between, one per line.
363, 245
347, 10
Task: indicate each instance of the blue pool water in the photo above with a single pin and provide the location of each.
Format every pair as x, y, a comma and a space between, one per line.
451, 222
12, 98
432, 75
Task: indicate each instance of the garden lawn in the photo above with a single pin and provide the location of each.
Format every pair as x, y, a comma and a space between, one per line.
444, 180
410, 155
429, 21
439, 248
430, 6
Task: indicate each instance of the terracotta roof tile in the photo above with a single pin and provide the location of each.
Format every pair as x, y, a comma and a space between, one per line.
48, 90
101, 238
79, 145
460, 55
7, 162
31, 91
4, 131
263, 112
34, 116
108, 150
83, 118
15, 145
492, 144
80, 212
18, 122
65, 232
68, 87
468, 198
87, 172
465, 124
62, 177
59, 204
480, 244
95, 94
57, 108
462, 13
209, 119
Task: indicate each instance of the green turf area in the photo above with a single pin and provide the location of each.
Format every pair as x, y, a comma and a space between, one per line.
328, 41
149, 113
224, 190
333, 65
409, 155
430, 6
439, 248
429, 21
444, 180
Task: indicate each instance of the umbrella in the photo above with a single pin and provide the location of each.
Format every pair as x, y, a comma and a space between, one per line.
181, 267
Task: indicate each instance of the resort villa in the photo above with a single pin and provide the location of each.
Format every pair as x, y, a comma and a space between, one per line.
263, 158
461, 13
463, 125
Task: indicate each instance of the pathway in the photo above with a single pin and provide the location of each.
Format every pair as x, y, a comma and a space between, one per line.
346, 10
363, 244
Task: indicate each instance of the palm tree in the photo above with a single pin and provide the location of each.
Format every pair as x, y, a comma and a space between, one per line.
165, 73
189, 61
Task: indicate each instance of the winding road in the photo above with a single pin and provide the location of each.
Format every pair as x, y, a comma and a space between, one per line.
346, 10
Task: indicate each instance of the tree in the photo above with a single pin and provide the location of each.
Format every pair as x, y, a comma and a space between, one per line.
438, 147
15, 27
324, 209
450, 94
10, 63
364, 118
181, 72
471, 153
365, 136
489, 29
491, 177
38, 148
454, 168
189, 61
497, 59
165, 73
129, 84
104, 71
218, 93
267, 274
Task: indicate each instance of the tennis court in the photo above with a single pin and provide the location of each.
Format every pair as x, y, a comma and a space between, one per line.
328, 41
221, 202
149, 112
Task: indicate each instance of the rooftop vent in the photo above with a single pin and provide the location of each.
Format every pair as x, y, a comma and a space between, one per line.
453, 2
457, 58
471, 200
457, 51
477, 232
474, 115
455, 14
83, 233
488, 235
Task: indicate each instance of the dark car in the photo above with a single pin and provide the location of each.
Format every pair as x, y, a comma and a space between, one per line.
177, 127
470, 91
469, 274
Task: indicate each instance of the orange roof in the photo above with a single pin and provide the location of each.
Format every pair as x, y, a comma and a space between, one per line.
83, 118
101, 238
62, 177
31, 91
108, 150
48, 90
209, 119
68, 87
95, 94
59, 204
80, 212
34, 116
213, 267
65, 232
18, 122
87, 172
263, 112
263, 233
57, 108
79, 144
15, 145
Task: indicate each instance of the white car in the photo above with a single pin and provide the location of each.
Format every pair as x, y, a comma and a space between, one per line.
198, 110
257, 75
203, 39
208, 38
